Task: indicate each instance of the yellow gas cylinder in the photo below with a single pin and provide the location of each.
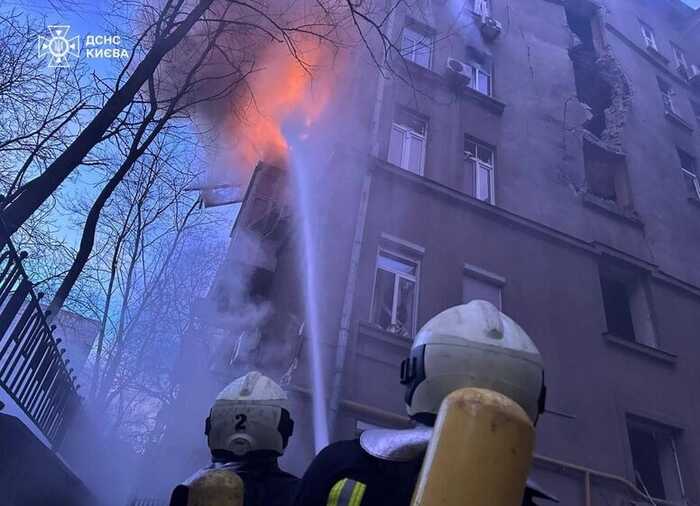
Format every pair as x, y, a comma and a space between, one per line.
209, 487
480, 452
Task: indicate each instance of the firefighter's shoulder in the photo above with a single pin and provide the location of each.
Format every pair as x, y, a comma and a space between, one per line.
342, 458
334, 475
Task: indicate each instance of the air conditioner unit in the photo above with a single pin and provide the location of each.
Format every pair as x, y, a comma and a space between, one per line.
459, 72
491, 28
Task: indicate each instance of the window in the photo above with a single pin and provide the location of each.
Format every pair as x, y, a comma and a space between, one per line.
407, 142
479, 160
648, 36
481, 7
417, 47
689, 170
626, 305
606, 175
655, 459
667, 94
394, 298
681, 62
481, 79
478, 284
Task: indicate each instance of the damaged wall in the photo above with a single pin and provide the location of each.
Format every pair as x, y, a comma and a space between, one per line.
600, 81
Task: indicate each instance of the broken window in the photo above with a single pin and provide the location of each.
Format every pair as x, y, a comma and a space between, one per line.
394, 297
480, 162
681, 61
689, 170
407, 142
667, 94
481, 7
417, 46
655, 459
606, 174
626, 305
648, 36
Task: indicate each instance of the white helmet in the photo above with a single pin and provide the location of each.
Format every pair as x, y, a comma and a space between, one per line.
472, 345
250, 414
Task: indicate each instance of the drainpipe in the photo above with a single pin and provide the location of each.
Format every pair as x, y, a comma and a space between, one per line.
357, 243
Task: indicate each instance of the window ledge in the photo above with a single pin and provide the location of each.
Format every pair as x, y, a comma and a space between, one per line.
649, 351
612, 209
675, 118
419, 71
657, 55
490, 103
376, 332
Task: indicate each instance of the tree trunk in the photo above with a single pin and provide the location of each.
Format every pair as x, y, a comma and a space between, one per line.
39, 189
87, 241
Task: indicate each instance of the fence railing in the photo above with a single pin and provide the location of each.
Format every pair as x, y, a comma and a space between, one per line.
148, 501
33, 370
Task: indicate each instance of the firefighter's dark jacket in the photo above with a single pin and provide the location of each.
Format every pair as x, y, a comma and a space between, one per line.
343, 474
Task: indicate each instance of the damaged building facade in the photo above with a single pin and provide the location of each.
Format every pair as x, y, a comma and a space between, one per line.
539, 154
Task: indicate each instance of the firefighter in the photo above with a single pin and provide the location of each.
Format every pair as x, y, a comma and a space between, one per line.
472, 345
247, 430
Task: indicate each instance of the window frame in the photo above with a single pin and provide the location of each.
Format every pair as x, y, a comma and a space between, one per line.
639, 301
696, 182
418, 37
690, 172
478, 163
648, 35
391, 252
667, 94
481, 7
680, 57
640, 422
406, 132
480, 72
487, 278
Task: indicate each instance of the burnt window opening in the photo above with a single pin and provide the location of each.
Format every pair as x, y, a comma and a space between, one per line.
606, 175
626, 304
618, 313
655, 459
689, 171
648, 35
667, 95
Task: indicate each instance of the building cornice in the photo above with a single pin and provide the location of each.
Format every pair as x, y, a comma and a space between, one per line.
593, 248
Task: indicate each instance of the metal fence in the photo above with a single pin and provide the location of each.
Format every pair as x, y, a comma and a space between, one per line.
148, 501
33, 370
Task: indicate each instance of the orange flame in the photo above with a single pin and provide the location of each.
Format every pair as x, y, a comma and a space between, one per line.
283, 90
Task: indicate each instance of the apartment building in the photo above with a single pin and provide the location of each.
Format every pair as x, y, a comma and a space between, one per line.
539, 154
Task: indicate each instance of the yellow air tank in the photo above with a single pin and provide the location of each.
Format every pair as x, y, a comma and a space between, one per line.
209, 487
480, 452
